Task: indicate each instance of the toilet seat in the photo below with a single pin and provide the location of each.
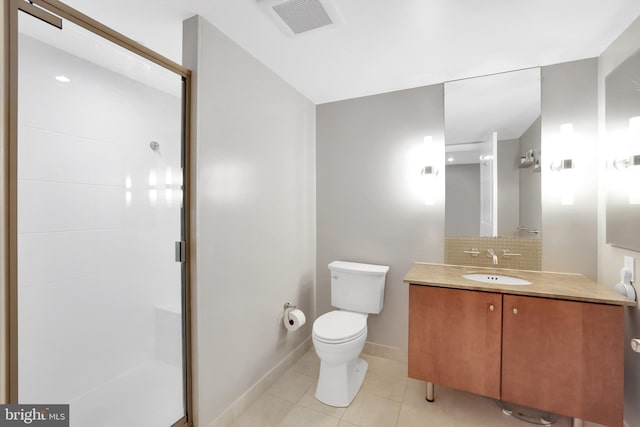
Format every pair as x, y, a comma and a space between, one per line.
338, 327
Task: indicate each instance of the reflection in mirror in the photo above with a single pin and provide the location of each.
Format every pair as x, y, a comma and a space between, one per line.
622, 89
492, 137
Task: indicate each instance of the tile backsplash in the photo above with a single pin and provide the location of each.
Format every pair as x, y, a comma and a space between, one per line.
530, 251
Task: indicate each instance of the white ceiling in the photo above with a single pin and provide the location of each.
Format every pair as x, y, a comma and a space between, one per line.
386, 45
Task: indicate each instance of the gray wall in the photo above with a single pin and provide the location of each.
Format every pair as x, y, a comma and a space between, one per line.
530, 191
254, 217
610, 259
508, 187
570, 240
367, 210
462, 200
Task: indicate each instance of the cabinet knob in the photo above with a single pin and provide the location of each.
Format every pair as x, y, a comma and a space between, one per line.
491, 307
515, 311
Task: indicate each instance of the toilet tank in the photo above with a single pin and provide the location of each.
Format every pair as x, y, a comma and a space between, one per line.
357, 287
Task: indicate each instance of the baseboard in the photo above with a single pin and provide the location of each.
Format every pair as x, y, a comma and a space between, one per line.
386, 351
231, 414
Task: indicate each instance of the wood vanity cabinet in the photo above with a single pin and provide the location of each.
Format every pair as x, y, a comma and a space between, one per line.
565, 357
560, 356
455, 338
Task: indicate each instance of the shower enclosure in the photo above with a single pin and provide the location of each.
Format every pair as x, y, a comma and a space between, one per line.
98, 278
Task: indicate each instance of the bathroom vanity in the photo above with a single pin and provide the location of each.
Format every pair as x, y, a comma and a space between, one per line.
556, 344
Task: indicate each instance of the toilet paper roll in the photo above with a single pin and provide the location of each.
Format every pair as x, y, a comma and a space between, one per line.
294, 319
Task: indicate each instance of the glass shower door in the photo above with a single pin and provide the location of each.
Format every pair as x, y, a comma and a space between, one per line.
100, 143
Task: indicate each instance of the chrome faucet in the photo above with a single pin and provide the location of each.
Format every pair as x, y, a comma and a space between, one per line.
492, 254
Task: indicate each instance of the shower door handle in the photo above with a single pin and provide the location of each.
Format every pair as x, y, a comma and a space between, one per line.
180, 251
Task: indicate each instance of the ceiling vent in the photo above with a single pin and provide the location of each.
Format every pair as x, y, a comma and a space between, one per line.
295, 17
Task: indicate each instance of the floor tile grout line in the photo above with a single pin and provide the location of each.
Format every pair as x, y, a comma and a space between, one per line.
453, 415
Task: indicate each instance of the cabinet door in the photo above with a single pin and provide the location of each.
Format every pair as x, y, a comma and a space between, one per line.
565, 357
455, 338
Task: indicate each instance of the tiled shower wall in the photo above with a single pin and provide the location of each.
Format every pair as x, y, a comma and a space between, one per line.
530, 251
95, 248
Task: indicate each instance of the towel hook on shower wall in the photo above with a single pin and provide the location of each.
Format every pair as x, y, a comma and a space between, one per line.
155, 146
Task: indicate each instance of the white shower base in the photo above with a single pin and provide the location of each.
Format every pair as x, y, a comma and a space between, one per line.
148, 396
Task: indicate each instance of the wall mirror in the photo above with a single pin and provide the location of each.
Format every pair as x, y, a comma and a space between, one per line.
492, 144
622, 104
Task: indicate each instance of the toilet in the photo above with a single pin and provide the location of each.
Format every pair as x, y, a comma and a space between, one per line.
339, 336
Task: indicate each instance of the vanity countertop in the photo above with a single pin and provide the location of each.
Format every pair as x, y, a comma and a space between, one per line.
566, 286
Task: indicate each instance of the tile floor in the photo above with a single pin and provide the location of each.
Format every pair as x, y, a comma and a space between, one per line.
387, 398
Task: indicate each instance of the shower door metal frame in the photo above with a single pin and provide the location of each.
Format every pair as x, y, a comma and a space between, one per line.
9, 191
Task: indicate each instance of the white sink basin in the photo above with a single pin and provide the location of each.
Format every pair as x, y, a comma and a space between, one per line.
498, 279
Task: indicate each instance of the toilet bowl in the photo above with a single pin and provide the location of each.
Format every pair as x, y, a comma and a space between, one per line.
338, 338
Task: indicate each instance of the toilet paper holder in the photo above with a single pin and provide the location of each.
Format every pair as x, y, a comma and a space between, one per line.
293, 318
288, 308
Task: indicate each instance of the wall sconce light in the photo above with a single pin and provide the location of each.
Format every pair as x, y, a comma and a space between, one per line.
430, 171
127, 193
429, 157
634, 139
153, 182
168, 192
625, 162
153, 178
565, 165
562, 165
566, 146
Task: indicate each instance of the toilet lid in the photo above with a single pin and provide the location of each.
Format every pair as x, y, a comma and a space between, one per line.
339, 326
